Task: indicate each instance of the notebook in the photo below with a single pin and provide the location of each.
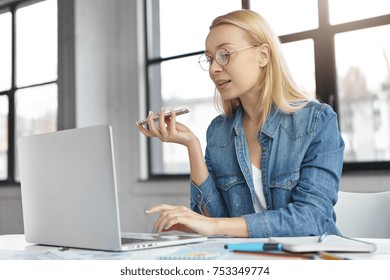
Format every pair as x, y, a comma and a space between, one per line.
196, 254
69, 193
332, 243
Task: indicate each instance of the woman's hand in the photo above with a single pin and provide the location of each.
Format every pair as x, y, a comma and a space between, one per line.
183, 219
168, 130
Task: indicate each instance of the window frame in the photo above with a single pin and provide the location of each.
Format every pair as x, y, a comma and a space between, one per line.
325, 66
11, 158
325, 69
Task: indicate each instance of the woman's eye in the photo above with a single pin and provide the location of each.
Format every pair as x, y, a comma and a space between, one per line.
224, 56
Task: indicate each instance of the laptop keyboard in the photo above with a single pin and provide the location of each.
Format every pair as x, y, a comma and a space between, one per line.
132, 240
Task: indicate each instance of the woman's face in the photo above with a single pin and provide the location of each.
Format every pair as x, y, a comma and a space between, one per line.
240, 77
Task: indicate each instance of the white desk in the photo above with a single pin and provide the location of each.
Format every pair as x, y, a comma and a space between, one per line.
14, 247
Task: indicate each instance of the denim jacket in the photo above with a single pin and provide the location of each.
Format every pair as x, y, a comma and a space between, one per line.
301, 164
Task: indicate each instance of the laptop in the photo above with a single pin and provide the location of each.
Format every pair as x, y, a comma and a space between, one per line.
69, 193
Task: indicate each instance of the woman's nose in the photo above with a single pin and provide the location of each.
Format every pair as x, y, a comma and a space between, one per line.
215, 66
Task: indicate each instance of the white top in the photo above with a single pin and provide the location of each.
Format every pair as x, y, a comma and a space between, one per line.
259, 200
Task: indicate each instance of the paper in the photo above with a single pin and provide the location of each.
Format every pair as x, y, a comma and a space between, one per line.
56, 254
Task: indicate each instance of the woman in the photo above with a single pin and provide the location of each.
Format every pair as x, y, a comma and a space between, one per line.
273, 158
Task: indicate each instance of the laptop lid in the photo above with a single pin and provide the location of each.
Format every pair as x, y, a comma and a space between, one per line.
69, 192
68, 188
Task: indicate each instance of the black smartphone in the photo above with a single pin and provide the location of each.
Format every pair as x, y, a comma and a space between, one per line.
178, 112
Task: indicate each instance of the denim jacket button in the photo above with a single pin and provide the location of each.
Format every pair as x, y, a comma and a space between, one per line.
288, 183
264, 149
199, 196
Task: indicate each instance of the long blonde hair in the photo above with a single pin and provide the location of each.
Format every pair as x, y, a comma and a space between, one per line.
276, 86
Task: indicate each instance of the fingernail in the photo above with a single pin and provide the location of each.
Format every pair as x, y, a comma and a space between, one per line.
150, 113
146, 210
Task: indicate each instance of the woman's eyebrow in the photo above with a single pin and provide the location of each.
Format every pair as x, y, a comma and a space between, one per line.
220, 46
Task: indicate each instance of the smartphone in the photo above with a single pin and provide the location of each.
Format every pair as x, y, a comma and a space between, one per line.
178, 112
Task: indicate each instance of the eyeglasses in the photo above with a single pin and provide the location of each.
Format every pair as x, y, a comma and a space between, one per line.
222, 57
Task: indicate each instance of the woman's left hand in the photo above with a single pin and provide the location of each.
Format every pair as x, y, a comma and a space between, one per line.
181, 218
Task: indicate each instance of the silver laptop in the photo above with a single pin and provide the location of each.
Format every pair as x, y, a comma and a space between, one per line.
69, 193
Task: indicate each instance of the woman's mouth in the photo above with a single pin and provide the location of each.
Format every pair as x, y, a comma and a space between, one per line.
223, 83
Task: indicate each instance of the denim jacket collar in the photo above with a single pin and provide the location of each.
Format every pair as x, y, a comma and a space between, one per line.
270, 127
237, 121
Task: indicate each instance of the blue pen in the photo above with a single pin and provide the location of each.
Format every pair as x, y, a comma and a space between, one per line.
254, 247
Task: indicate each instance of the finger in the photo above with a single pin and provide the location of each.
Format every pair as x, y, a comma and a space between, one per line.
172, 217
159, 208
152, 128
171, 222
172, 122
167, 216
143, 130
157, 223
180, 227
161, 124
166, 220
172, 228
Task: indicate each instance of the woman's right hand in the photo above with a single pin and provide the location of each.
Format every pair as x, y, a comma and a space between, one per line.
184, 219
168, 130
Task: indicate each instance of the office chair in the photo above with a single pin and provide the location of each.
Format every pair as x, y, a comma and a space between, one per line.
365, 215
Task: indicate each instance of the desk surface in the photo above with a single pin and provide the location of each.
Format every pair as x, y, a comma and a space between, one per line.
14, 247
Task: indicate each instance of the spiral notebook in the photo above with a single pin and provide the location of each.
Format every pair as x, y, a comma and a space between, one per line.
332, 243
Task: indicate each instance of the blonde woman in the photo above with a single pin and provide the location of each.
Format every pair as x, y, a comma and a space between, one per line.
273, 158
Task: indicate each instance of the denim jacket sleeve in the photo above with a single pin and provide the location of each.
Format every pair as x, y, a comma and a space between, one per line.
314, 193
205, 198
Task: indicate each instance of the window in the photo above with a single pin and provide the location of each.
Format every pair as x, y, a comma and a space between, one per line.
327, 45
175, 78
300, 58
364, 93
362, 53
28, 77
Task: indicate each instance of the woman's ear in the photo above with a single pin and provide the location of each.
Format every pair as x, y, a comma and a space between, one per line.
264, 54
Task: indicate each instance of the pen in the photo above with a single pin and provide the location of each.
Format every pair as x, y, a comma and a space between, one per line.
281, 254
322, 237
254, 247
326, 256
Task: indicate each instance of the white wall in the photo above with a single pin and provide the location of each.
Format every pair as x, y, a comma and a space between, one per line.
366, 182
105, 84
